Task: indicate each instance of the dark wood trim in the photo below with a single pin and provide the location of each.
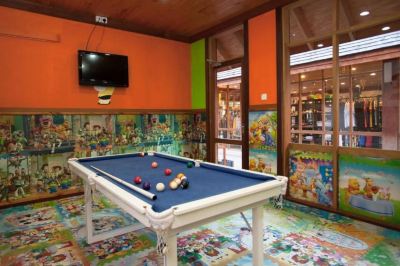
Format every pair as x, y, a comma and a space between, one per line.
62, 196
263, 107
240, 19
90, 19
228, 141
279, 87
341, 212
232, 62
245, 97
208, 110
33, 111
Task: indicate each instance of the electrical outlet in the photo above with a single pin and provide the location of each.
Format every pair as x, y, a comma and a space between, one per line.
264, 96
101, 20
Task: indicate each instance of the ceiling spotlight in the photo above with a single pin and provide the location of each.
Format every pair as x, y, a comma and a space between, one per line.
320, 89
385, 28
358, 86
320, 45
304, 87
353, 68
342, 83
373, 74
364, 13
303, 76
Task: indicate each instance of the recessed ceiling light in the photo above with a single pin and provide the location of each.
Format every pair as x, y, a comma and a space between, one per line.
385, 28
373, 74
353, 68
358, 86
342, 83
364, 13
320, 45
303, 76
304, 87
320, 89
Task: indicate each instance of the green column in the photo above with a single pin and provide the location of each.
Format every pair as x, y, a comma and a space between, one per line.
198, 67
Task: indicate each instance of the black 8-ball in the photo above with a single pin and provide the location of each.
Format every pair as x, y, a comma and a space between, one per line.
146, 186
184, 184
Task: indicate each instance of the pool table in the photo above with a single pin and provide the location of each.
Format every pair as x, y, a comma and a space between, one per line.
214, 191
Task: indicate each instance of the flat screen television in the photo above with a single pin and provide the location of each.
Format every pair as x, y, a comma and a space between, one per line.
102, 69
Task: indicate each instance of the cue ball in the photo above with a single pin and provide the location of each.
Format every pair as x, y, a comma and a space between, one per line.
184, 184
146, 185
173, 185
137, 180
154, 164
167, 171
160, 187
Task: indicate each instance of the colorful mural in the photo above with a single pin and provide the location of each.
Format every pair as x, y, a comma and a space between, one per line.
34, 149
311, 176
370, 187
263, 141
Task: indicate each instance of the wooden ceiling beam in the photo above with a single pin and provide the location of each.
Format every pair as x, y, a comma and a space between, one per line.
345, 12
304, 27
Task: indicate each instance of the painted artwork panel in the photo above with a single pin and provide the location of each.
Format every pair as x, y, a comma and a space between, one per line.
262, 141
311, 176
370, 187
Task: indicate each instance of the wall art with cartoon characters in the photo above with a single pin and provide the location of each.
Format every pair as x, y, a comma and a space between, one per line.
370, 187
262, 141
34, 149
311, 176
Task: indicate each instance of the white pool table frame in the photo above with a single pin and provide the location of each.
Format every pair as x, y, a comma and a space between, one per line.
181, 217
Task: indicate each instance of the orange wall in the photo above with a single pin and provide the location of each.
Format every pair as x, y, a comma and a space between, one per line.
37, 74
262, 59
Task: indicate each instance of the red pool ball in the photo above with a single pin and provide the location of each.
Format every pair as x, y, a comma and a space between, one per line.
154, 164
167, 171
137, 180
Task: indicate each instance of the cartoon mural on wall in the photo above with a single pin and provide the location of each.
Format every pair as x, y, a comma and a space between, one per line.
370, 187
34, 149
311, 176
263, 141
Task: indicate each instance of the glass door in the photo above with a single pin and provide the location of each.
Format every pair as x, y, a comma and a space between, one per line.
228, 122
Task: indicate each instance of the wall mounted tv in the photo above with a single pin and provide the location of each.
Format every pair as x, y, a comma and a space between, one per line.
101, 69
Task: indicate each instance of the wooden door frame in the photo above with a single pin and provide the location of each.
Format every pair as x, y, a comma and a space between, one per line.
210, 100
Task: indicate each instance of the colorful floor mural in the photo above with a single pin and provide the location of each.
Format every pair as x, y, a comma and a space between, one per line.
52, 233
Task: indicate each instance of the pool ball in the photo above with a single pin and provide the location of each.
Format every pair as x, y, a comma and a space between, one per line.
167, 171
141, 154
189, 164
183, 178
137, 180
173, 185
154, 164
160, 187
179, 175
184, 184
146, 186
177, 181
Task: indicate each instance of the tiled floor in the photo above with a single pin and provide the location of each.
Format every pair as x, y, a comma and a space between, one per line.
52, 233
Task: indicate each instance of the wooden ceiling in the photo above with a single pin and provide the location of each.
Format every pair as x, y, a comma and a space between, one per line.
183, 20
312, 20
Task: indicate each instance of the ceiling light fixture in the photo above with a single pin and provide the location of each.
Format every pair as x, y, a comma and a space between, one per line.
373, 74
342, 83
353, 68
364, 13
320, 45
385, 28
303, 76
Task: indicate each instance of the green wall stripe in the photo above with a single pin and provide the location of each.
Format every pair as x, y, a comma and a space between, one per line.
198, 67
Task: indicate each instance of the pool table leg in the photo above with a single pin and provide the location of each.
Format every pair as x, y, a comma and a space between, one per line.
171, 258
258, 235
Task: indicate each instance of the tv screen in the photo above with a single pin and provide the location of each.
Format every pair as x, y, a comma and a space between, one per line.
101, 69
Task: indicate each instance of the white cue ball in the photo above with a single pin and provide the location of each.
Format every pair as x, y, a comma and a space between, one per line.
160, 187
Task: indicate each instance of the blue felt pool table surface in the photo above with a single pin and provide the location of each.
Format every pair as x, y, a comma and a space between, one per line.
204, 181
